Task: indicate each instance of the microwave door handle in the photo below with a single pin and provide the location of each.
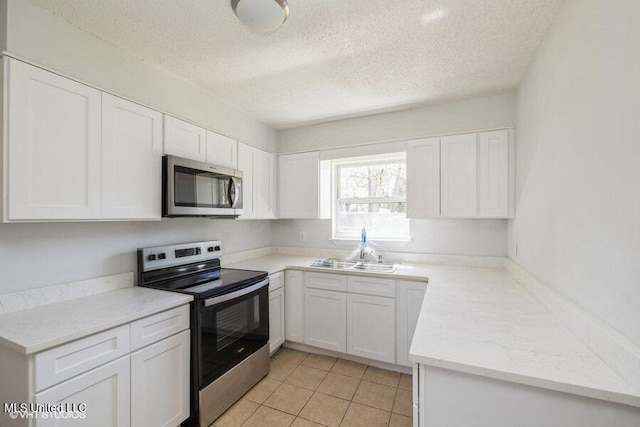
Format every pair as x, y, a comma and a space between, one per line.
226, 297
233, 197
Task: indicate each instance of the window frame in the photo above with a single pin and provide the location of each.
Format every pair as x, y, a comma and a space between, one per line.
336, 200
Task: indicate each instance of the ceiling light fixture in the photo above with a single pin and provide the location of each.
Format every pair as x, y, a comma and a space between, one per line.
261, 15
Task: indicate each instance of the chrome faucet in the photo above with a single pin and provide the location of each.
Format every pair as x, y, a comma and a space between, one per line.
363, 245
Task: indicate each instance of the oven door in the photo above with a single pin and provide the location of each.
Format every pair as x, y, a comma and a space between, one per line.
231, 328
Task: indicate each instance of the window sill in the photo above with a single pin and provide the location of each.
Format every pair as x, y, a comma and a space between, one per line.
374, 243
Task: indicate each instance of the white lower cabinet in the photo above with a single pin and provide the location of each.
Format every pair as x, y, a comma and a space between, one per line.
104, 391
276, 311
410, 296
325, 319
371, 327
136, 374
370, 317
294, 306
160, 382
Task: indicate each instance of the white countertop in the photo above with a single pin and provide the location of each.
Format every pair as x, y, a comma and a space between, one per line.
274, 263
35, 329
482, 321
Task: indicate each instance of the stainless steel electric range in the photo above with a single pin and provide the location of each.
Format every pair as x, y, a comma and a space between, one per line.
229, 321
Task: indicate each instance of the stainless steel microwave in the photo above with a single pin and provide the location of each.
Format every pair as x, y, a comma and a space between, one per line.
192, 188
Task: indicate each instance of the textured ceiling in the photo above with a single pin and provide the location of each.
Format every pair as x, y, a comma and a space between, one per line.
332, 58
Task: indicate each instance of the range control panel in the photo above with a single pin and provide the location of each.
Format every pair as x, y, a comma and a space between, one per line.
158, 257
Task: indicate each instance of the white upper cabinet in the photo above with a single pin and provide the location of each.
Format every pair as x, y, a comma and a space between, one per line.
222, 150
52, 127
265, 184
423, 178
184, 139
246, 162
299, 185
259, 180
131, 160
461, 176
495, 178
458, 168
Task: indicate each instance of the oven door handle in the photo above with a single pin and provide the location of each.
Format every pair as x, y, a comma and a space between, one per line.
226, 297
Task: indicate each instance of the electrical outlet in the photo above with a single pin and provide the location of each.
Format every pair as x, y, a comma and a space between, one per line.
303, 235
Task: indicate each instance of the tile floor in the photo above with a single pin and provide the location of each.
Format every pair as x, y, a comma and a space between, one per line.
305, 389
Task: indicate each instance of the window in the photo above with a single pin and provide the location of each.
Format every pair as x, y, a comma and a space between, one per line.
371, 192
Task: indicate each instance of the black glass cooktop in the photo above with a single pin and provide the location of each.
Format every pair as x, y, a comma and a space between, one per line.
211, 283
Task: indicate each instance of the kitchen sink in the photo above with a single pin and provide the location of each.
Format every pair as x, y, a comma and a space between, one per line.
381, 268
333, 263
354, 265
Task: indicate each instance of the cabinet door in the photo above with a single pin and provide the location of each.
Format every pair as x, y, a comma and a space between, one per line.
131, 160
423, 178
410, 296
325, 319
246, 163
459, 178
222, 150
494, 153
299, 185
104, 391
53, 146
276, 319
371, 327
264, 184
160, 382
294, 306
184, 139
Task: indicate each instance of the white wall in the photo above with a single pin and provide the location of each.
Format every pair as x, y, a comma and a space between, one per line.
35, 255
470, 115
577, 224
486, 237
45, 39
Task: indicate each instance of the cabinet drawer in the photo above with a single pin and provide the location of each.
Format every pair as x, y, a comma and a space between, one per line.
63, 362
154, 328
105, 391
372, 286
330, 282
276, 281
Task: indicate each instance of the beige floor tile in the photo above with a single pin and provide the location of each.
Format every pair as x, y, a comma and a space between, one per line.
382, 376
364, 416
301, 422
280, 369
289, 398
349, 368
304, 376
262, 390
403, 404
267, 417
319, 361
376, 395
398, 420
237, 414
323, 409
338, 385
406, 382
288, 355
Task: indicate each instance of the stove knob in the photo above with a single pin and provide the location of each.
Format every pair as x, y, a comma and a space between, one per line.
198, 251
210, 249
217, 248
162, 256
152, 257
